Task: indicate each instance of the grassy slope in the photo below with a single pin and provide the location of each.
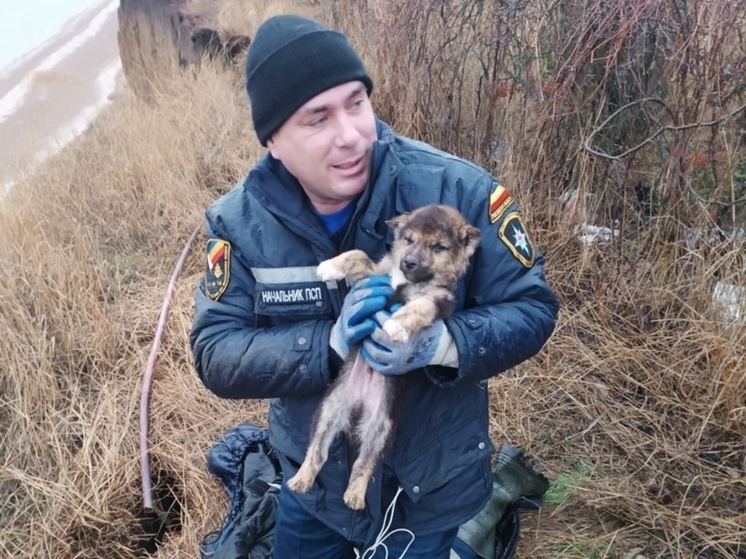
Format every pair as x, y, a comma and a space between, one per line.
634, 408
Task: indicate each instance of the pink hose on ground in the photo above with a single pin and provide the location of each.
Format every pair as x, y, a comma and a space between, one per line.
147, 488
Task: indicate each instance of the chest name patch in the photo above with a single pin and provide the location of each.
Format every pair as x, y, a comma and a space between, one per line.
500, 199
218, 272
291, 295
513, 234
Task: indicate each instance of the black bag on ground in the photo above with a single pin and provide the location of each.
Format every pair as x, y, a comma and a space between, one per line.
247, 467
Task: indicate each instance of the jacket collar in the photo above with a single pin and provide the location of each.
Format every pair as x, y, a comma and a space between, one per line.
275, 187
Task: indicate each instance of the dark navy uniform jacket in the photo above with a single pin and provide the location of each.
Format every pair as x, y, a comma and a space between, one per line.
265, 332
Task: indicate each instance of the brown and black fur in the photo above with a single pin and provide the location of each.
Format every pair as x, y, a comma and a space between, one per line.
431, 251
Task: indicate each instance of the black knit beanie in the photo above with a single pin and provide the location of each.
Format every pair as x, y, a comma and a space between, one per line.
292, 59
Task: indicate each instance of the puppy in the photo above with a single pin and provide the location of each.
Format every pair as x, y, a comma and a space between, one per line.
431, 251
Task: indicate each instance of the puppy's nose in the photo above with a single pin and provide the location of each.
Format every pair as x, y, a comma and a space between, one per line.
411, 261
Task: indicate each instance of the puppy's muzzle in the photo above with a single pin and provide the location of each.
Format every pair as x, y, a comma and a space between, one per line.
413, 268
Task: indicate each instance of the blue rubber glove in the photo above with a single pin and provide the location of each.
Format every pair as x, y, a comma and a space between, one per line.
388, 358
367, 297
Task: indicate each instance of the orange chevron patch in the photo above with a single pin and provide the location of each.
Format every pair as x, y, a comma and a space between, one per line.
500, 200
218, 270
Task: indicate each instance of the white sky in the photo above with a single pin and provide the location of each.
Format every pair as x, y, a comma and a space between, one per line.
26, 24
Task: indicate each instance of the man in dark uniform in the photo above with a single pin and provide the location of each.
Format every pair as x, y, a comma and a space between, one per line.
267, 327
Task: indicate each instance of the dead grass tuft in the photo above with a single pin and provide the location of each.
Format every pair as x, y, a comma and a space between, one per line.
87, 248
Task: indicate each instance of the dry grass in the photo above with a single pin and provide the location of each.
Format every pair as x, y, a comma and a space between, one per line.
87, 246
635, 408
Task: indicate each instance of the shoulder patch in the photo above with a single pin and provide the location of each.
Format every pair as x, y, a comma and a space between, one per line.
513, 234
218, 270
500, 199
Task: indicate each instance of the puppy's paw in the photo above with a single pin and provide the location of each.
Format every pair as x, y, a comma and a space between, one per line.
299, 483
395, 331
355, 499
327, 271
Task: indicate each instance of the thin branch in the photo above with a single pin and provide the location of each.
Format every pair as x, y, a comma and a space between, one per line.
586, 144
706, 201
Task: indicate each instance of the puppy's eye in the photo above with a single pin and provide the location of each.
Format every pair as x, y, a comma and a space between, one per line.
440, 247
408, 240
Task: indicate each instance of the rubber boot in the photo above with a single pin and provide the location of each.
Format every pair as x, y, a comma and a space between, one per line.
511, 480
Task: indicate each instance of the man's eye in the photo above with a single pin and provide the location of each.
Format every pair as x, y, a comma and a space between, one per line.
318, 121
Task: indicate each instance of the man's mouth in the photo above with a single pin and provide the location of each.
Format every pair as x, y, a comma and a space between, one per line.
349, 165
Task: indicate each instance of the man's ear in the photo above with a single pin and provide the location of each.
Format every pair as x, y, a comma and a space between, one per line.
273, 149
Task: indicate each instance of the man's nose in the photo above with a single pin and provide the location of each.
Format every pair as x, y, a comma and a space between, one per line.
347, 133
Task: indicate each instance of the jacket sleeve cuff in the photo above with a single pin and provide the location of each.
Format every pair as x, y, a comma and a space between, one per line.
443, 367
446, 354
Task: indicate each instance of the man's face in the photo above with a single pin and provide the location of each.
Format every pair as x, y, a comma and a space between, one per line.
326, 144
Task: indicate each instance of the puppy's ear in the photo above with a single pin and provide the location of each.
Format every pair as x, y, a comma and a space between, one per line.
398, 222
470, 237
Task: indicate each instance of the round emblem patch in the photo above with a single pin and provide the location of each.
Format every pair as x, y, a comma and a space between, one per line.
513, 234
